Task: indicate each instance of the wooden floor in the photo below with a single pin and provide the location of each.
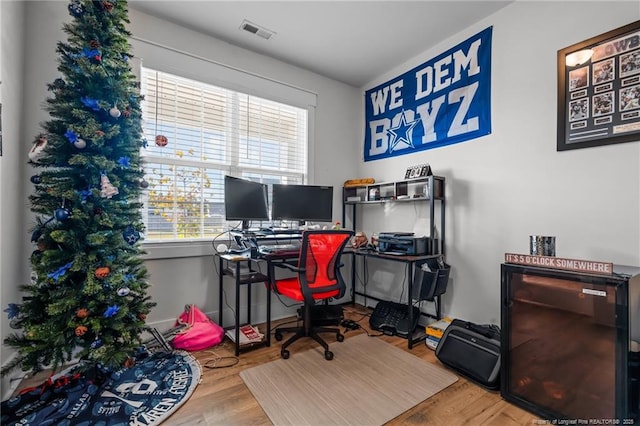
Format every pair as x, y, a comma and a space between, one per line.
223, 399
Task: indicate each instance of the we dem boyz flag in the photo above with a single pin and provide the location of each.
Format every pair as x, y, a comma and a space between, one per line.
443, 101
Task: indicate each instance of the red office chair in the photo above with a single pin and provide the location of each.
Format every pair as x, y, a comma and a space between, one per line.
318, 278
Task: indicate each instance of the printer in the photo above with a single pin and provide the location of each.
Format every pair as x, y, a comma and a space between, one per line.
403, 243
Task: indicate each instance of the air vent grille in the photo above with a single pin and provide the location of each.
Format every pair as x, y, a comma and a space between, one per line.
256, 29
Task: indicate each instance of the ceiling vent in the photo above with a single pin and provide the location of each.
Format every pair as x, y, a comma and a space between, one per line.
256, 29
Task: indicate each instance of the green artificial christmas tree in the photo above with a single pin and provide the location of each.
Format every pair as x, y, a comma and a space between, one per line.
87, 297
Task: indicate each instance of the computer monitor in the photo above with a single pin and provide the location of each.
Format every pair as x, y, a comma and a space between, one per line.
303, 203
245, 200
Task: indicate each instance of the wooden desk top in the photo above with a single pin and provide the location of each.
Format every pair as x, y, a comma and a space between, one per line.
389, 256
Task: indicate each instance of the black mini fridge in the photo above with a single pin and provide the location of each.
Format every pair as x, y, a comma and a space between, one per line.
569, 343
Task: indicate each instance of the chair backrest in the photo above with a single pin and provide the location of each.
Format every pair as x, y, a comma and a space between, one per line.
320, 253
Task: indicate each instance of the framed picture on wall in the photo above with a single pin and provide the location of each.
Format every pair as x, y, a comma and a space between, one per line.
599, 90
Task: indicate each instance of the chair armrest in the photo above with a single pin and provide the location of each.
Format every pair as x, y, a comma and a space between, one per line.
289, 266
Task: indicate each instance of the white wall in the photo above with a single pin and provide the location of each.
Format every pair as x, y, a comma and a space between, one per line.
503, 187
12, 163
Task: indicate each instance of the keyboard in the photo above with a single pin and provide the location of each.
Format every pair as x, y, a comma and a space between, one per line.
279, 231
280, 249
393, 319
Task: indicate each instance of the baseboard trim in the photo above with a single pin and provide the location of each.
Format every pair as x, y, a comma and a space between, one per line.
12, 380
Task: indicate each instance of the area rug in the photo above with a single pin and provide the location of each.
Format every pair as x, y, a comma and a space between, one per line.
144, 394
368, 382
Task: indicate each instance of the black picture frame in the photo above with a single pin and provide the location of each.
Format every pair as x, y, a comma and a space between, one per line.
419, 171
599, 99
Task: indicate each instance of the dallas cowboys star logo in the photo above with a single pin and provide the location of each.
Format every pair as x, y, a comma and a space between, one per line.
403, 132
132, 238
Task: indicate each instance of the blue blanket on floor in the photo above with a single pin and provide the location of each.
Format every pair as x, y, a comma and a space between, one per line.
145, 394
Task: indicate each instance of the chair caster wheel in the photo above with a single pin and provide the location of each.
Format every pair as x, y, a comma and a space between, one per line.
285, 354
328, 355
278, 336
340, 337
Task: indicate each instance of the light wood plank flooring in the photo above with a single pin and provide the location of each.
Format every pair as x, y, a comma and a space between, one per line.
223, 399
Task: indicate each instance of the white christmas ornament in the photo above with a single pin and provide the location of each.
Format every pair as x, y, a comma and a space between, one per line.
80, 143
37, 151
115, 112
107, 190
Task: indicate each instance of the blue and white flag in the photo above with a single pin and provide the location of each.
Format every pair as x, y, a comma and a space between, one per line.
443, 101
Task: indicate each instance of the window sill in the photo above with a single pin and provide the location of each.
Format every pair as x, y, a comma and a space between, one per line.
168, 250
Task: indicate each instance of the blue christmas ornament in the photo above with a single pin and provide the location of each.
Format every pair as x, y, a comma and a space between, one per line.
90, 103
61, 214
71, 135
131, 235
35, 236
91, 53
124, 162
111, 311
85, 193
12, 310
35, 179
60, 271
96, 344
75, 8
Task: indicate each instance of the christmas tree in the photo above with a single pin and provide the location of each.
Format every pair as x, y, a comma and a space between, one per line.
87, 297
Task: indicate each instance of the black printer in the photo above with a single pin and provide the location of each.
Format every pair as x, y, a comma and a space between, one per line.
402, 242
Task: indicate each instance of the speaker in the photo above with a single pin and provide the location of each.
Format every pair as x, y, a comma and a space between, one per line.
473, 351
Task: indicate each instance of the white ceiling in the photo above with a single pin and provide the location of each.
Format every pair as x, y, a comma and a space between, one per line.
349, 41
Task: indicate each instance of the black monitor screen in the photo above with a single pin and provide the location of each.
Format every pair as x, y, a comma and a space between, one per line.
302, 202
245, 200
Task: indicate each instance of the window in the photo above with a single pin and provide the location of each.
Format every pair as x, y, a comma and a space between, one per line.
210, 132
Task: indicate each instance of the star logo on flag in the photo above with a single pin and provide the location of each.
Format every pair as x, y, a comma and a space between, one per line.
402, 133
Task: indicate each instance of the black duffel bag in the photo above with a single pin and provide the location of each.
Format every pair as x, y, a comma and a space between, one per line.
472, 350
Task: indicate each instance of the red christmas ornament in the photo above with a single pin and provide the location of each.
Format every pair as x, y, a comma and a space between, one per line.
108, 6
161, 140
142, 316
99, 133
102, 272
94, 43
81, 330
82, 313
127, 112
129, 362
97, 58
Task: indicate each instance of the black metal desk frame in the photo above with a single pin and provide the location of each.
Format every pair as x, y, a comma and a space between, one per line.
231, 265
411, 262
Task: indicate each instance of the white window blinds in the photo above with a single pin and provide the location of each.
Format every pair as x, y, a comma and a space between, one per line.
211, 132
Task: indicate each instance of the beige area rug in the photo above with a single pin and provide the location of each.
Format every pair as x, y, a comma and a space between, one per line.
369, 382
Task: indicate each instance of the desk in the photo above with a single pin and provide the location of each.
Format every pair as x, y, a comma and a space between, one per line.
244, 274
411, 262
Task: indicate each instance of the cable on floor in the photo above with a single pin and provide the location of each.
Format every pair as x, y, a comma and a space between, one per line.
218, 361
